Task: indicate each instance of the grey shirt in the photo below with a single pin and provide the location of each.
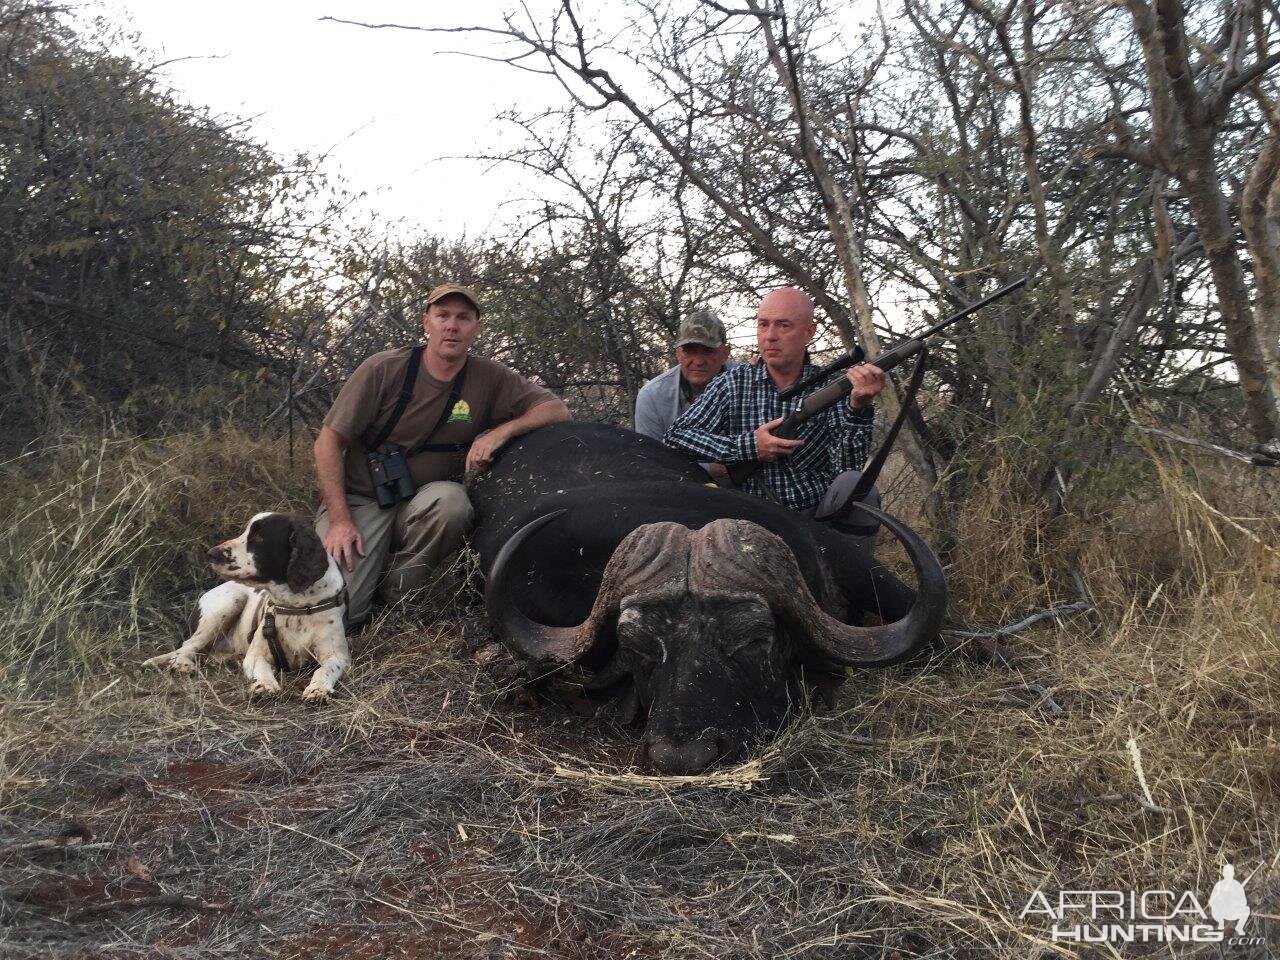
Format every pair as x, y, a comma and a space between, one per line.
661, 400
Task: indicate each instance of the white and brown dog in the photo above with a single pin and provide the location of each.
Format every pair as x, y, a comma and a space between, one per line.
282, 606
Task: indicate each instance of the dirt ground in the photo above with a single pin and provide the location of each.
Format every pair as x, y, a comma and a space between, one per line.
431, 812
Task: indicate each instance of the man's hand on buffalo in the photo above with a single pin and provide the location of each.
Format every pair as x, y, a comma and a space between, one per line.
483, 449
867, 381
344, 543
718, 472
768, 447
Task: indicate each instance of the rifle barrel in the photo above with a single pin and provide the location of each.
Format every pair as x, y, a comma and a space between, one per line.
972, 308
857, 355
836, 391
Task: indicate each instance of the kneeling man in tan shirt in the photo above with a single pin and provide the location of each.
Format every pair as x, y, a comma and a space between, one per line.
393, 550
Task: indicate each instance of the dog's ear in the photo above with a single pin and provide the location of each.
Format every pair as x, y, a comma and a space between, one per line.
307, 560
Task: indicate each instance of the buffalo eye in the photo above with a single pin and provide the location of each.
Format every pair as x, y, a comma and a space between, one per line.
644, 647
636, 640
750, 646
748, 629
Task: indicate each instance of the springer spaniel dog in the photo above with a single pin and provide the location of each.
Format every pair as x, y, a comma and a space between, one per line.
282, 605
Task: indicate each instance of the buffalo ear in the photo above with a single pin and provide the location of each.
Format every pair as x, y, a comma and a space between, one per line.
307, 560
823, 686
629, 705
619, 698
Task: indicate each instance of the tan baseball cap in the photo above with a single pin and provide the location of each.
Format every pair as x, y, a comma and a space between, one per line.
453, 290
703, 327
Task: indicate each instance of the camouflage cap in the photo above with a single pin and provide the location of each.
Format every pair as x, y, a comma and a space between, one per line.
703, 327
453, 290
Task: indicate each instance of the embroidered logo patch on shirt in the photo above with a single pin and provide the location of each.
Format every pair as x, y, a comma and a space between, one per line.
461, 413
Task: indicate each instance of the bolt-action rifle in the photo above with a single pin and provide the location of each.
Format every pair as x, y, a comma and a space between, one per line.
838, 389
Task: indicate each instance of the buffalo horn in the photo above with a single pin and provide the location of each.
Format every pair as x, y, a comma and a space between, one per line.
874, 646
733, 553
650, 555
538, 641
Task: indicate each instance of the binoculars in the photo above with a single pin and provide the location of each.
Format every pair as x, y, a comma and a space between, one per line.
392, 482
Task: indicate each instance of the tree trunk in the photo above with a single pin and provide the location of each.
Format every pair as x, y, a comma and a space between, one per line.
1199, 177
1260, 217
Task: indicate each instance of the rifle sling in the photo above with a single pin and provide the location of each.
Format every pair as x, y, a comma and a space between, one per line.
872, 470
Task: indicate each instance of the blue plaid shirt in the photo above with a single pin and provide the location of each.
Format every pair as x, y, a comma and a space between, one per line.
720, 427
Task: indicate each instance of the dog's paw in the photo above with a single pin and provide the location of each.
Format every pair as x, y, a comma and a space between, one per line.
315, 693
175, 661
264, 688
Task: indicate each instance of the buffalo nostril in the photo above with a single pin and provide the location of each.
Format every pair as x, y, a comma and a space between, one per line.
666, 756
217, 554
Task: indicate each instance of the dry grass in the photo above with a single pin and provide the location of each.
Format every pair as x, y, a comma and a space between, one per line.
427, 812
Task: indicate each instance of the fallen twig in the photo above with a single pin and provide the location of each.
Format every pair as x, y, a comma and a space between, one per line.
1046, 698
174, 901
1256, 459
1077, 607
72, 835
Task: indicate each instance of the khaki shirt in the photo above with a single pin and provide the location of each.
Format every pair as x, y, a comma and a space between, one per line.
492, 395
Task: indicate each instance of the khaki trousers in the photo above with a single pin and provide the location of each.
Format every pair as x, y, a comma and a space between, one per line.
402, 544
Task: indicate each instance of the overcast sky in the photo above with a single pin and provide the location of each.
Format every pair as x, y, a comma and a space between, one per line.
389, 107
389, 104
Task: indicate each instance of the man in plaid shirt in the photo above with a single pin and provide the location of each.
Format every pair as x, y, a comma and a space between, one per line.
734, 419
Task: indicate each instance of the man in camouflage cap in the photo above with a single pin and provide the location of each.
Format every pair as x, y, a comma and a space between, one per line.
702, 352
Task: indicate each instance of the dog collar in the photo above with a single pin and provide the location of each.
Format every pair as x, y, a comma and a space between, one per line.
337, 600
272, 632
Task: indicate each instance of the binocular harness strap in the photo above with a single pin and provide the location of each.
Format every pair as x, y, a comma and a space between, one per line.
455, 394
402, 402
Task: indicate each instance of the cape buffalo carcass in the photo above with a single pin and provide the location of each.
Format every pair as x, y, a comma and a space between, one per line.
702, 606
